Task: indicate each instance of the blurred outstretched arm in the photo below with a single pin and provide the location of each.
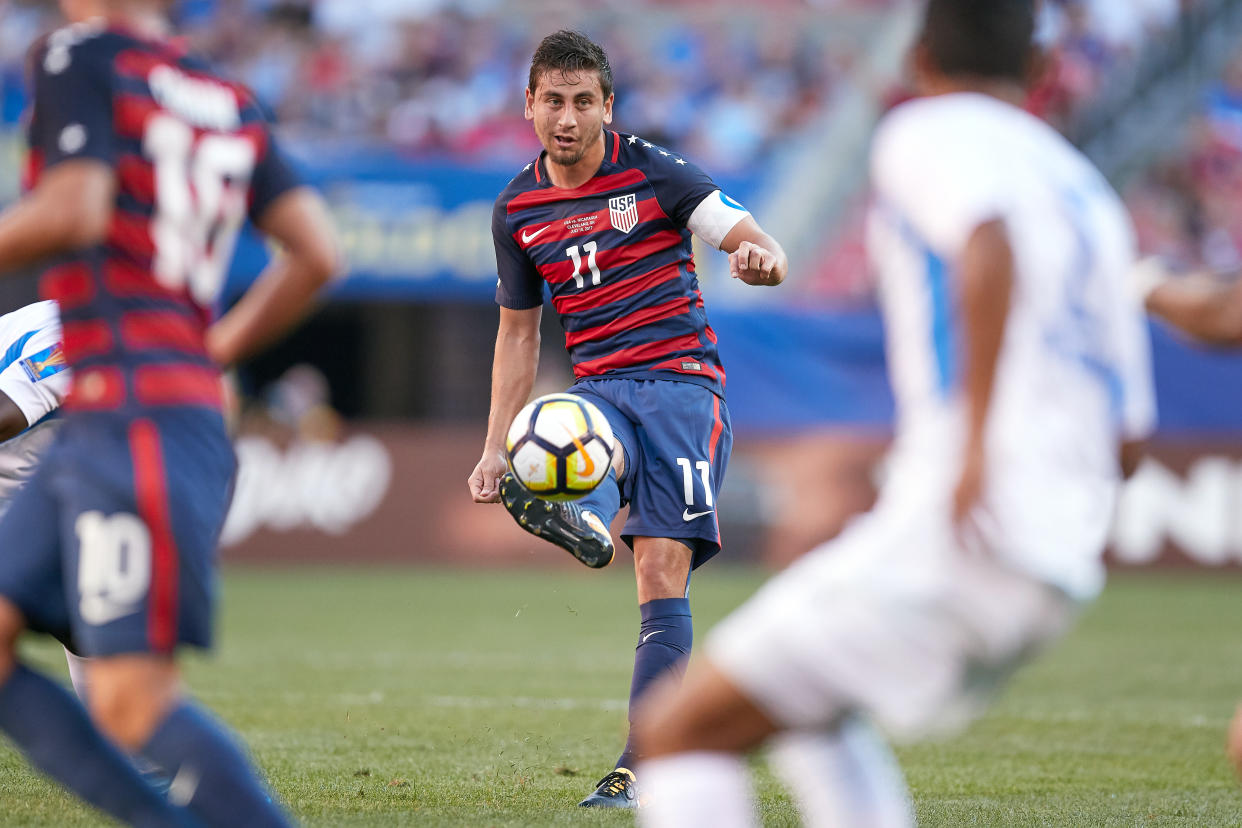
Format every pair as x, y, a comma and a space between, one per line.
284, 292
1201, 305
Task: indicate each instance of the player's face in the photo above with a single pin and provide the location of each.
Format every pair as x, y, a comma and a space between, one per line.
569, 111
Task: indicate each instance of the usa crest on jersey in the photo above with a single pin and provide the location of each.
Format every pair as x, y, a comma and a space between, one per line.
623, 212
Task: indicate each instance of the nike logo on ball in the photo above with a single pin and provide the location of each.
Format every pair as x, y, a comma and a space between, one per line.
689, 516
527, 239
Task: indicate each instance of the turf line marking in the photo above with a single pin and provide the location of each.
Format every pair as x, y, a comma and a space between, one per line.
529, 702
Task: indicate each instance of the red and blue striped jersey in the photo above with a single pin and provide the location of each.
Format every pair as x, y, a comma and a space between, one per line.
615, 254
192, 157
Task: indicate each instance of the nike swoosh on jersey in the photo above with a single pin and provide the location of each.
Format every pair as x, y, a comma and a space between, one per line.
527, 239
689, 516
648, 635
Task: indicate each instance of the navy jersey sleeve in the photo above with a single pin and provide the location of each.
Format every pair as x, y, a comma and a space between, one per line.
679, 186
72, 115
273, 177
520, 287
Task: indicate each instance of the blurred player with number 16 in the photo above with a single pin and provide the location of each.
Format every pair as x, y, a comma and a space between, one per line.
143, 166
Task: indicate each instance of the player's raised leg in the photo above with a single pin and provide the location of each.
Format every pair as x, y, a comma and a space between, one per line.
580, 527
575, 527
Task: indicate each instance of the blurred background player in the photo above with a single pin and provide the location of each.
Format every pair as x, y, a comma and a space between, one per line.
1020, 363
34, 382
605, 220
144, 166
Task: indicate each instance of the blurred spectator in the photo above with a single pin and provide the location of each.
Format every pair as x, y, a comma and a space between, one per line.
299, 403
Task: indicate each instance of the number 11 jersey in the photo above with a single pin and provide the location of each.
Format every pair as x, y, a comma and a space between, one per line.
192, 157
615, 255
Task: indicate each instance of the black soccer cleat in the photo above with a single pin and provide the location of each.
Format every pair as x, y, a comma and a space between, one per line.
580, 533
616, 790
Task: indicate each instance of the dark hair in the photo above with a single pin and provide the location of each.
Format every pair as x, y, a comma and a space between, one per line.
570, 53
980, 38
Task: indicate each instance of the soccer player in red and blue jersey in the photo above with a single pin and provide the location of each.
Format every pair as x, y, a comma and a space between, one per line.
143, 166
604, 220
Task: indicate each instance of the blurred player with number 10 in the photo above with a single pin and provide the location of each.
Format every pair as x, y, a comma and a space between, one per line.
143, 166
604, 219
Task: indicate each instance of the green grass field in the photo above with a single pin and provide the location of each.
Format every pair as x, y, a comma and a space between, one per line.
410, 697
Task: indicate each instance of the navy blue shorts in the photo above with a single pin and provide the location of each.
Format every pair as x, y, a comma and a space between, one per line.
677, 439
111, 546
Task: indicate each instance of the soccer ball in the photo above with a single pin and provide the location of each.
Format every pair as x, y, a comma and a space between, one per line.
560, 447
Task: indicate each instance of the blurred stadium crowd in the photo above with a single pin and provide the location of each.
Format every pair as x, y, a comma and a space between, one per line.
1186, 206
432, 79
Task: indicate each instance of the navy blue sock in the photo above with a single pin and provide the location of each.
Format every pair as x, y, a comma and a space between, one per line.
605, 501
664, 641
51, 727
210, 774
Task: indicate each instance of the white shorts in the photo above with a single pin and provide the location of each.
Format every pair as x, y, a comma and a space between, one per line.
892, 619
20, 456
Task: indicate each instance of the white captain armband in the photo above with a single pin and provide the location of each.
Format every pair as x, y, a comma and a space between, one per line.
715, 216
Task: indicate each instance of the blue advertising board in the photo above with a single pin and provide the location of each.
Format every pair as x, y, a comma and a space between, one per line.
800, 369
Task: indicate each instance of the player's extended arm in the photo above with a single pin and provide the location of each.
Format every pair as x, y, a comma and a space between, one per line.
284, 291
754, 257
1202, 306
513, 377
12, 420
69, 209
986, 276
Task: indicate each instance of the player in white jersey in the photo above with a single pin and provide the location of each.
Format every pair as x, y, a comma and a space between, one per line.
33, 384
1020, 365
